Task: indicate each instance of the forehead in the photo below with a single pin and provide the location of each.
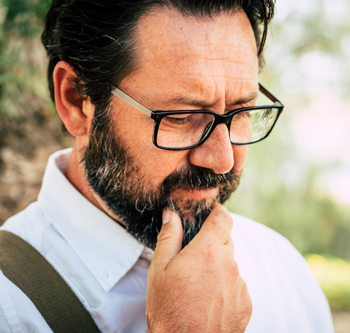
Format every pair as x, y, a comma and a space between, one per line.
194, 53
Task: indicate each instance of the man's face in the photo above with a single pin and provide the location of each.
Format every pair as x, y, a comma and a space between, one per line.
184, 64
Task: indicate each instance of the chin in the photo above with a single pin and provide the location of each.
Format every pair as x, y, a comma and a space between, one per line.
190, 209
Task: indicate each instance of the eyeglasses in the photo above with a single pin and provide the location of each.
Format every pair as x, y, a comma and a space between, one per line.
186, 129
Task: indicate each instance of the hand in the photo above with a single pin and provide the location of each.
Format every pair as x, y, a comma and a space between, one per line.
197, 289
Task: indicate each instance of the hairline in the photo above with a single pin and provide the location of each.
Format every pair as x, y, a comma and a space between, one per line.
165, 9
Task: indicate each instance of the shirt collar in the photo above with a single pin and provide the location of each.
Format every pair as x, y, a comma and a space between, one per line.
104, 246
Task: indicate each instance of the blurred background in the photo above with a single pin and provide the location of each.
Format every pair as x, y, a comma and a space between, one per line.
297, 181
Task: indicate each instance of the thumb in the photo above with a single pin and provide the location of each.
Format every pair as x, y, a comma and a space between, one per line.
169, 239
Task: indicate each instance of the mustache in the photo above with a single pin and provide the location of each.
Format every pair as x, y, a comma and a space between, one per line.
198, 178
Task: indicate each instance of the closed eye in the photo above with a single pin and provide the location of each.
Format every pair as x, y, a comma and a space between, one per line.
178, 119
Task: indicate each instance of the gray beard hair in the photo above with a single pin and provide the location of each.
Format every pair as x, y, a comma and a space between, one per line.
114, 175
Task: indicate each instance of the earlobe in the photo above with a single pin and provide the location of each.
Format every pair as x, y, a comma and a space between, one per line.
69, 104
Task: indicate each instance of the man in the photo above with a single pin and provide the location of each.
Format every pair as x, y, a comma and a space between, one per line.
118, 193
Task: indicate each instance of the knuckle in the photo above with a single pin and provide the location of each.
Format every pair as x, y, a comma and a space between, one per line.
226, 218
249, 308
247, 304
245, 297
244, 306
217, 228
244, 289
234, 271
230, 247
222, 217
213, 252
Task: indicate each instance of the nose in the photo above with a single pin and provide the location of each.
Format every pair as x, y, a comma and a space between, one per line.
215, 153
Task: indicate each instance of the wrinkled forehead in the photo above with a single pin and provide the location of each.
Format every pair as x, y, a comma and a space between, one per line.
170, 43
196, 55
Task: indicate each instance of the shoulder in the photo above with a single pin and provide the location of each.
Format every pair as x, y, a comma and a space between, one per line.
259, 236
279, 279
258, 244
29, 224
256, 229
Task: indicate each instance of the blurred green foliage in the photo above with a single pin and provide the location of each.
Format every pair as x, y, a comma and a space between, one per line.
24, 18
281, 188
309, 218
333, 275
21, 21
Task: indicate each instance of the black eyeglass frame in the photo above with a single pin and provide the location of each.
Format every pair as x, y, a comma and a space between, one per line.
158, 115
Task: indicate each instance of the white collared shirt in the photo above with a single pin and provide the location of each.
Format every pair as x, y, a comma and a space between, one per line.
107, 268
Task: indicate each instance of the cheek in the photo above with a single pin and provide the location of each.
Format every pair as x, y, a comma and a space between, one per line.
239, 155
153, 164
156, 164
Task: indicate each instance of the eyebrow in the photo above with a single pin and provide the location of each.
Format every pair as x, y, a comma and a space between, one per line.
198, 102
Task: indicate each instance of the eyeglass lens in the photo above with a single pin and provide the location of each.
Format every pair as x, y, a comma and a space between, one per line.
188, 129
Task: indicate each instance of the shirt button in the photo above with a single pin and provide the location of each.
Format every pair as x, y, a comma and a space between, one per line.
144, 263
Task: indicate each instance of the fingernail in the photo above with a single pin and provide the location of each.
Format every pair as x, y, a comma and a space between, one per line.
166, 215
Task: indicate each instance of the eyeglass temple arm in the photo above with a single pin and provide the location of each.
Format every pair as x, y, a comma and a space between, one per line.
268, 94
127, 99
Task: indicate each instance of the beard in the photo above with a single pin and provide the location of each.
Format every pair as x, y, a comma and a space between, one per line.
115, 176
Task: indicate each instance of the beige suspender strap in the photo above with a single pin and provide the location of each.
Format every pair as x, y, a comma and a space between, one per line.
33, 274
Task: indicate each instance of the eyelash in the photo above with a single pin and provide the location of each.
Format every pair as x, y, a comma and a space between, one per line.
179, 121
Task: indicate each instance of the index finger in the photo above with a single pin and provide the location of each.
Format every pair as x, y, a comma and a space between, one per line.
218, 224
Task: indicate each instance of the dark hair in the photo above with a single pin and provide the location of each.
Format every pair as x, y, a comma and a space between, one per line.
96, 36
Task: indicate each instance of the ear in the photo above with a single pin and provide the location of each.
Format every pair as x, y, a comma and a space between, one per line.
69, 104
